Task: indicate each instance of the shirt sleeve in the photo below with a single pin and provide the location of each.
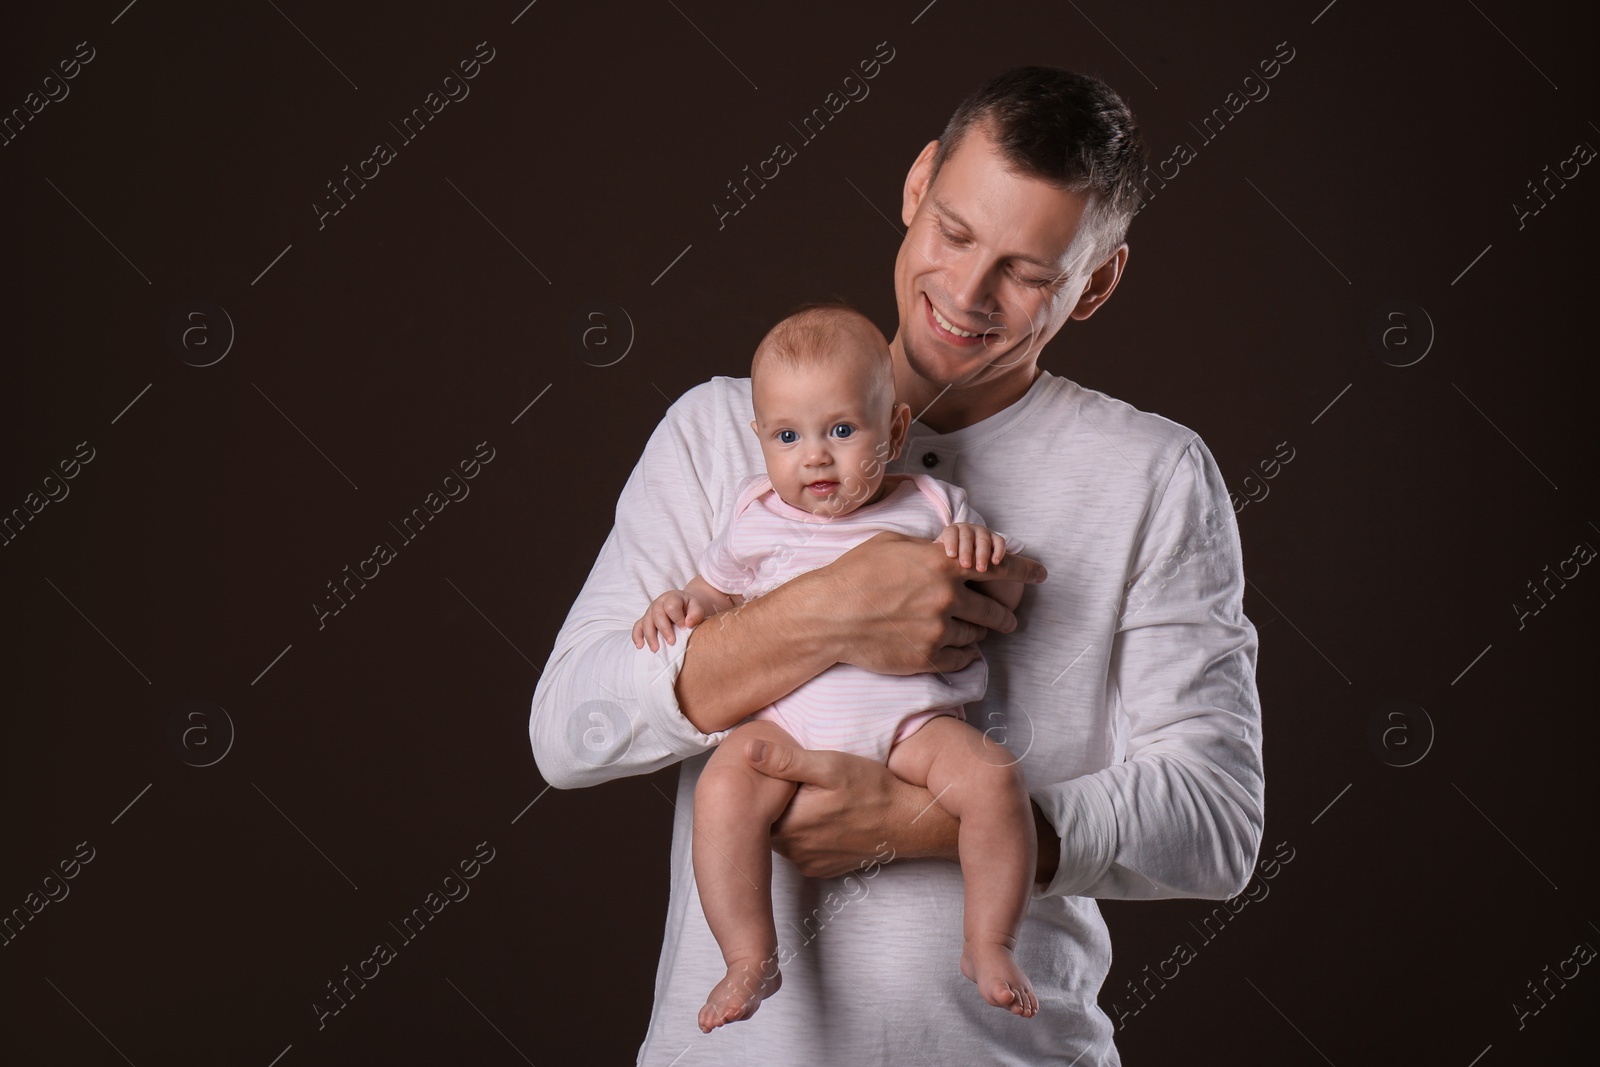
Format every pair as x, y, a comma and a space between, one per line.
602, 708
1181, 815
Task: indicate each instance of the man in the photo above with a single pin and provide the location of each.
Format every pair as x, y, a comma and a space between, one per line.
1124, 685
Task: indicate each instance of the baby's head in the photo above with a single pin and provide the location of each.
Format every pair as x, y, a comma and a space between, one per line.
823, 387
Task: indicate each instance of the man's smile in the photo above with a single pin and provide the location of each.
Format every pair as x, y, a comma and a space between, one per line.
948, 330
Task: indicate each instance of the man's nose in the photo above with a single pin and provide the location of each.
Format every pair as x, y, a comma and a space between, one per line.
968, 278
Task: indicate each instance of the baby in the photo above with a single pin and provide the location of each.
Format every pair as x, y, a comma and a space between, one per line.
823, 393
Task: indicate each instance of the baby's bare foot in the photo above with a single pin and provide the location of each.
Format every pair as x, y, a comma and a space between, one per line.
740, 992
999, 979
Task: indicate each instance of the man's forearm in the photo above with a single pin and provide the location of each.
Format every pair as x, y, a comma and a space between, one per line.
739, 661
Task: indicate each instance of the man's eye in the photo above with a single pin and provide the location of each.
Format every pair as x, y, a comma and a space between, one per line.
1033, 283
788, 437
843, 430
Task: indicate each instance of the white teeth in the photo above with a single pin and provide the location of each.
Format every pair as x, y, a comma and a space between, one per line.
942, 321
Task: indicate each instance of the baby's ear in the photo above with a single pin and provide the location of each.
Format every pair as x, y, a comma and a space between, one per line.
753, 428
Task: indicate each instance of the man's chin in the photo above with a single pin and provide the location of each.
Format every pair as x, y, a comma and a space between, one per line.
942, 368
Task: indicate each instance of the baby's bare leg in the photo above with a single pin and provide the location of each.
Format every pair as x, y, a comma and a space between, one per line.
977, 781
734, 809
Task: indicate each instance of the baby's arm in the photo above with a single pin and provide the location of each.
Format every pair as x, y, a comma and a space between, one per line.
687, 607
977, 547
711, 599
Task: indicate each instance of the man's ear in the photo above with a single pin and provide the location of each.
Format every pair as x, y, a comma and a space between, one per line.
917, 180
1101, 282
899, 426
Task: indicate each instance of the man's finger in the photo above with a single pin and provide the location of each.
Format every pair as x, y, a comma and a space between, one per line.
1015, 569
980, 609
953, 658
778, 759
958, 632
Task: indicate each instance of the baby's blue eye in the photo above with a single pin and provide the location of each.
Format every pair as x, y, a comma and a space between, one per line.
788, 437
843, 430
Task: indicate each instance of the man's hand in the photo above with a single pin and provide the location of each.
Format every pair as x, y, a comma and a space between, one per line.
893, 604
903, 606
846, 808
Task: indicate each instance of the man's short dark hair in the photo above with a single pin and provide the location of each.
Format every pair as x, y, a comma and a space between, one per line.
1068, 129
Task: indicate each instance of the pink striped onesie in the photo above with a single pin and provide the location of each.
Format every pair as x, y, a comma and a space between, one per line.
845, 708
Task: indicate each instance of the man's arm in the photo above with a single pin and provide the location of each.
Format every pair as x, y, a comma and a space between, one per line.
1181, 816
604, 709
712, 600
744, 659
893, 604
849, 807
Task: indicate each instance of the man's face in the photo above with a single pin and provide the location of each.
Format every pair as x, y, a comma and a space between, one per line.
826, 434
991, 267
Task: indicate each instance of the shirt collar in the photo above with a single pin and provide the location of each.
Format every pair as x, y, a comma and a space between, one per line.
1003, 421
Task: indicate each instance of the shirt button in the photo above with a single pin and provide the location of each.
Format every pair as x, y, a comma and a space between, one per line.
931, 459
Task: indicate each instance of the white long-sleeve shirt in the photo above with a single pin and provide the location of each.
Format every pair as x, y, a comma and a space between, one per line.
1128, 690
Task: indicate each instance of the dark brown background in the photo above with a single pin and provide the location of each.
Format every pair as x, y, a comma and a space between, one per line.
1383, 564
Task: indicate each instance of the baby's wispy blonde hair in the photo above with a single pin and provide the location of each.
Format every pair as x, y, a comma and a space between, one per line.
828, 334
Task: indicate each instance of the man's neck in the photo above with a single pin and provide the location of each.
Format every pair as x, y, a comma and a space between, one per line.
949, 409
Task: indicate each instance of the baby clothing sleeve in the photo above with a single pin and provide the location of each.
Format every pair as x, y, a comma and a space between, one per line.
962, 510
720, 564
720, 567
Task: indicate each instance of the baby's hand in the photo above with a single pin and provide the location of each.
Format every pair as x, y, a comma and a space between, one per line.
672, 608
976, 546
